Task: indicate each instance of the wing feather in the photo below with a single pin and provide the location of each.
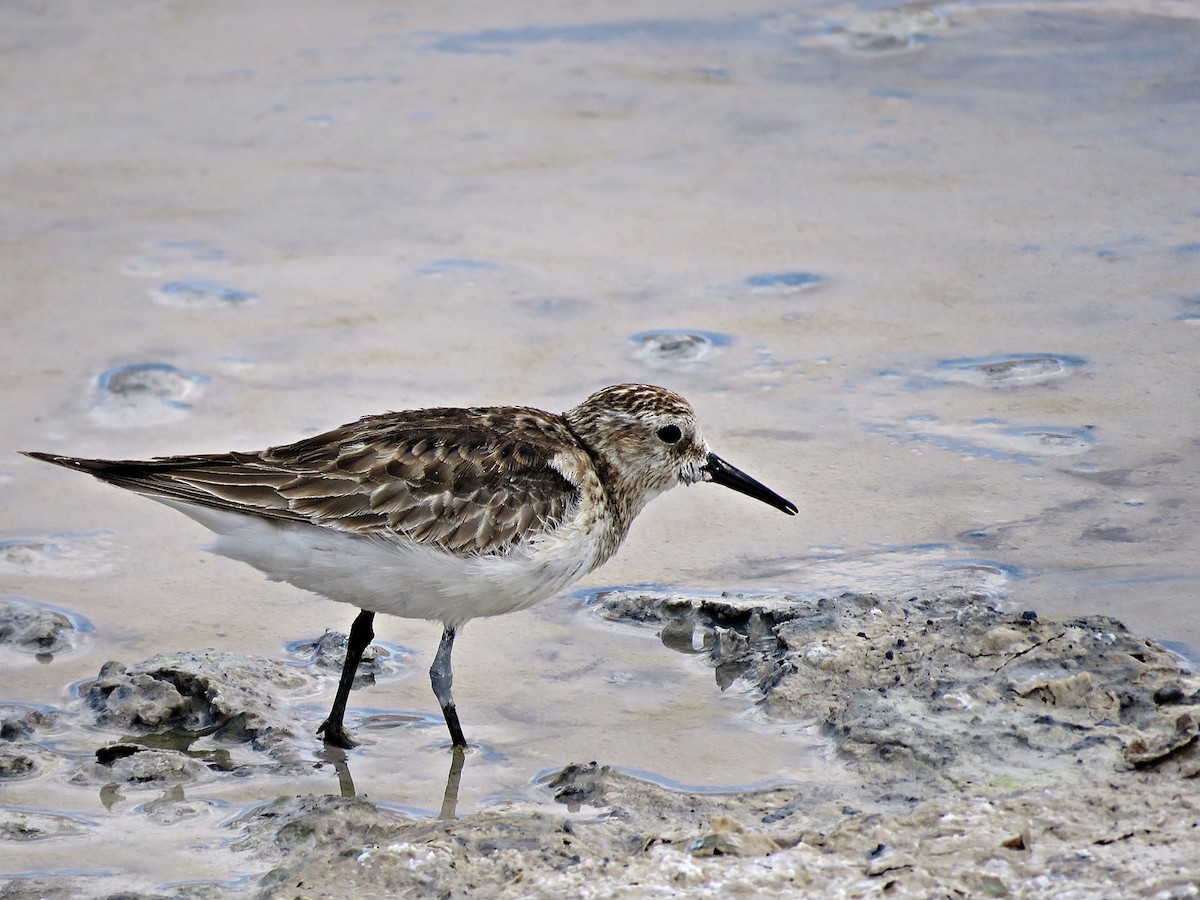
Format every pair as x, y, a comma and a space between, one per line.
469, 481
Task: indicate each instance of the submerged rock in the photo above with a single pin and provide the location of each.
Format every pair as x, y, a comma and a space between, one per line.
18, 721
327, 654
17, 761
34, 628
32, 825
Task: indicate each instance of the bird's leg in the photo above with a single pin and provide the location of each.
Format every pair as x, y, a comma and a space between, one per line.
442, 679
361, 635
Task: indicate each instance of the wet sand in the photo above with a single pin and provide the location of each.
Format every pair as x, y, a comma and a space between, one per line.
929, 271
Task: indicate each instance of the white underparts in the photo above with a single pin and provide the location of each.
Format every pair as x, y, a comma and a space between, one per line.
399, 577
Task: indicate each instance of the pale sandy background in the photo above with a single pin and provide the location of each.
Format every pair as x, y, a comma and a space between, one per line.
330, 210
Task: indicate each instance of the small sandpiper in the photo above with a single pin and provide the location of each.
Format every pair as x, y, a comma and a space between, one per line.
442, 514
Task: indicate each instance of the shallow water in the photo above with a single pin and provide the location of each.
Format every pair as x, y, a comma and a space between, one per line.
930, 272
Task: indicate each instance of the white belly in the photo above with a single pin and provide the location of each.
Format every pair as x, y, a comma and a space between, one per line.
398, 577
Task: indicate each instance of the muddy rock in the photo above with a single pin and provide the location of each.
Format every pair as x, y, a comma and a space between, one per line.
654, 814
234, 699
994, 754
41, 889
20, 755
1123, 836
363, 852
610, 821
1178, 752
729, 837
150, 767
296, 826
984, 753
950, 690
75, 888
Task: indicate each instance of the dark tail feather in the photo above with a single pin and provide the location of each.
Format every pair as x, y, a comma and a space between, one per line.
90, 466
185, 479
135, 475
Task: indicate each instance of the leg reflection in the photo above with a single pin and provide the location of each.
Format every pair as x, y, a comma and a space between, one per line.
450, 798
341, 765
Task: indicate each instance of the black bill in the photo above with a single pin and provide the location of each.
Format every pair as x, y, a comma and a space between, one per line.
718, 471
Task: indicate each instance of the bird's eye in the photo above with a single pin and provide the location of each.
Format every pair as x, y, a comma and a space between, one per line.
670, 434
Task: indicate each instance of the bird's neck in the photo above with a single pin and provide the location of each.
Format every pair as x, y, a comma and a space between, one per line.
622, 495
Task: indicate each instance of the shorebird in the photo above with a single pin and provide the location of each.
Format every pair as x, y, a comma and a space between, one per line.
441, 514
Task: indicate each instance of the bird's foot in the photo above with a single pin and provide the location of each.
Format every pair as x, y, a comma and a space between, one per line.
336, 735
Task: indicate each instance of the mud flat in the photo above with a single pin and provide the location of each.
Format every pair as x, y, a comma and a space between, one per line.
988, 753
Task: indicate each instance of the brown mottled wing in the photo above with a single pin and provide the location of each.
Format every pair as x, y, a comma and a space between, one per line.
465, 480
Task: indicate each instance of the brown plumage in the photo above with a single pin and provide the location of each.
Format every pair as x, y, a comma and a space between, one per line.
478, 481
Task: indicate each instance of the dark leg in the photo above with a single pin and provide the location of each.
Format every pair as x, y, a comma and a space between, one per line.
361, 635
442, 679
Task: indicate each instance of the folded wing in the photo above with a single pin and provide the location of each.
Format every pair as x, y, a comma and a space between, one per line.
480, 481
